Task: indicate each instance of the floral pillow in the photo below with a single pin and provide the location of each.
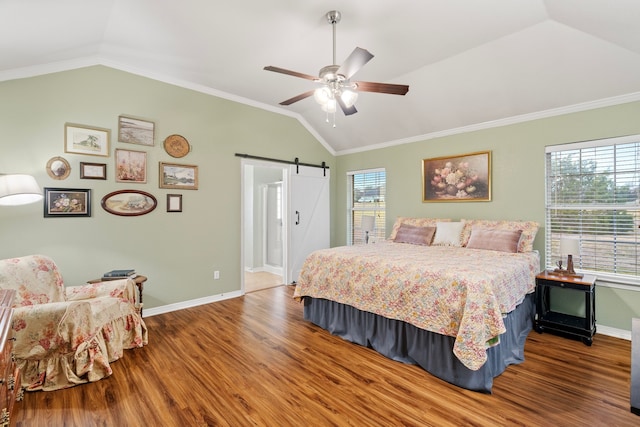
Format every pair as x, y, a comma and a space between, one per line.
529, 230
416, 222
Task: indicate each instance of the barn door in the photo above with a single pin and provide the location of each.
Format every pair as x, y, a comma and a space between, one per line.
309, 215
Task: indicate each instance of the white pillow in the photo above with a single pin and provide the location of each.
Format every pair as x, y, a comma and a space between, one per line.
448, 234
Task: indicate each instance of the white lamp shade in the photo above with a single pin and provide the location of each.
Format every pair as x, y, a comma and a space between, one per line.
349, 97
569, 245
18, 189
322, 95
330, 106
368, 222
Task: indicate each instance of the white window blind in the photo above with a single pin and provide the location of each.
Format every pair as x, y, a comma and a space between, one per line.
367, 194
592, 194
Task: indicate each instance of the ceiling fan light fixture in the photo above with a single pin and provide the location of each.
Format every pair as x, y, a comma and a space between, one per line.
335, 80
330, 106
322, 95
349, 97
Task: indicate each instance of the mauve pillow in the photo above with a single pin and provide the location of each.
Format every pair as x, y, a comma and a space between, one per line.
495, 240
414, 235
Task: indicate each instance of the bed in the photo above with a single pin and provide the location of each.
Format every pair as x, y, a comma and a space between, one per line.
455, 298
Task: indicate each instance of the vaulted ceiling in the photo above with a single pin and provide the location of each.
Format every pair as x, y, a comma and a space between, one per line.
469, 63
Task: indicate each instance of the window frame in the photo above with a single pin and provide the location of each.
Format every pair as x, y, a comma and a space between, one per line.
582, 217
375, 207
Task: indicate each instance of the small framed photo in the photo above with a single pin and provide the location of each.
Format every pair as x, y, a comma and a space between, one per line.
93, 170
65, 202
184, 177
131, 166
174, 202
81, 139
135, 131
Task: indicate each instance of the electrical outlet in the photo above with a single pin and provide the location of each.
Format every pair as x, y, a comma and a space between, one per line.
216, 275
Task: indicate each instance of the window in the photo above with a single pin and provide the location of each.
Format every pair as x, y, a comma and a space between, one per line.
592, 195
367, 191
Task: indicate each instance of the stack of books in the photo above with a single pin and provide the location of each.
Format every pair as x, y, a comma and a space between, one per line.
119, 274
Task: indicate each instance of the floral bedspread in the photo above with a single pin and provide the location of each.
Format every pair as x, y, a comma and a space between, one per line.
452, 291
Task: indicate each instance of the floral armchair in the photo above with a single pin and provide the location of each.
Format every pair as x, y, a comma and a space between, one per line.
66, 336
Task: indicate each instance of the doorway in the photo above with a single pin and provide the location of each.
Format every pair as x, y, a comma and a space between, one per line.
286, 216
264, 225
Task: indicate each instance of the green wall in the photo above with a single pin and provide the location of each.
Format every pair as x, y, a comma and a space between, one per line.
177, 251
180, 251
518, 156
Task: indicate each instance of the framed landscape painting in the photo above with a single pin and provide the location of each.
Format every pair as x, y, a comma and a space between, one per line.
135, 131
463, 178
174, 175
80, 139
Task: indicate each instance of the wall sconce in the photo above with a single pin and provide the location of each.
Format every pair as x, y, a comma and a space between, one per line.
368, 224
19, 189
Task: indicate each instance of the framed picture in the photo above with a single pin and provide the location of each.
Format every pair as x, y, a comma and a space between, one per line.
174, 202
135, 131
131, 166
93, 170
67, 202
80, 139
58, 168
129, 203
173, 175
463, 178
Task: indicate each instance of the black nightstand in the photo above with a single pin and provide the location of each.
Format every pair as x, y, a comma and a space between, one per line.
566, 324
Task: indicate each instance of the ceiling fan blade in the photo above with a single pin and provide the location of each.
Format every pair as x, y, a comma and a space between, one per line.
297, 98
354, 62
290, 73
382, 88
346, 110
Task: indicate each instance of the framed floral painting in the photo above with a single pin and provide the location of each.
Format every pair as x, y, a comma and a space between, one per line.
463, 178
131, 166
61, 202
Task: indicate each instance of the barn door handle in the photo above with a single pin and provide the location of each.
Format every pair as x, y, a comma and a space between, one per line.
298, 217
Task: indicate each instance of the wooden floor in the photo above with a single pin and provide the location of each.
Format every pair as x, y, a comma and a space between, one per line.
261, 280
253, 361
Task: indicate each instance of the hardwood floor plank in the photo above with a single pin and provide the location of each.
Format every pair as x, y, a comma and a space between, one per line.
253, 361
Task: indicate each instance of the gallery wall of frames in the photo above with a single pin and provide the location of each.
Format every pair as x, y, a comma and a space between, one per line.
136, 136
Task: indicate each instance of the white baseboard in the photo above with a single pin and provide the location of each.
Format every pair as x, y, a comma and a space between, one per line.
147, 312
613, 332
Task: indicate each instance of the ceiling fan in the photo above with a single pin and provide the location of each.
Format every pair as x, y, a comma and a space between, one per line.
336, 85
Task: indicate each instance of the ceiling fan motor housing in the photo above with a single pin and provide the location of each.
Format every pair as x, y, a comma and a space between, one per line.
329, 74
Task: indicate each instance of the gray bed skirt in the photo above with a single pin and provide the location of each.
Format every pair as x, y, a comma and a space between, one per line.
406, 343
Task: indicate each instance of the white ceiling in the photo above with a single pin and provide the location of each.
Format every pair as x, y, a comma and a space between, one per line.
469, 63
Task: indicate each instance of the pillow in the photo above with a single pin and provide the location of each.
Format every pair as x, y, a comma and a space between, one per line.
414, 235
448, 234
495, 240
416, 222
529, 230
